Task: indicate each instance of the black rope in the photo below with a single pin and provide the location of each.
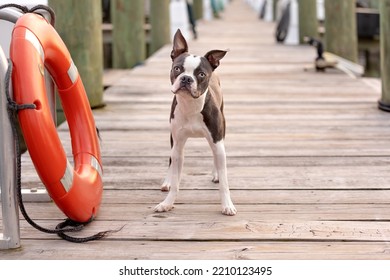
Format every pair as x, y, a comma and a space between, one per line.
22, 8
61, 227
35, 9
317, 44
64, 227
282, 26
263, 10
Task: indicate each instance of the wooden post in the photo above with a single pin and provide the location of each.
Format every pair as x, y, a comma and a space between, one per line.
275, 9
159, 19
374, 4
384, 102
198, 9
340, 29
79, 24
308, 23
128, 35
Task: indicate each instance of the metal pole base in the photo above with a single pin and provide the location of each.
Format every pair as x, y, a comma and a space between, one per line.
384, 107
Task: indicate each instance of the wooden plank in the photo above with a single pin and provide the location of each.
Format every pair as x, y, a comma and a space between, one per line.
242, 196
110, 76
201, 180
264, 178
228, 230
263, 145
171, 250
251, 173
132, 210
263, 148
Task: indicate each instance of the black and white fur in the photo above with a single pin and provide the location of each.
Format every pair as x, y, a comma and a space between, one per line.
197, 111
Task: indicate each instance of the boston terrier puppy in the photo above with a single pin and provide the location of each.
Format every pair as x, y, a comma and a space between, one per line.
196, 111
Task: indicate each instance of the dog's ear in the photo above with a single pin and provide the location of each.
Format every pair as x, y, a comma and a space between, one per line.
179, 45
214, 57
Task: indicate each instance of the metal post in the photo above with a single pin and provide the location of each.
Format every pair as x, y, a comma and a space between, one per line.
11, 232
10, 238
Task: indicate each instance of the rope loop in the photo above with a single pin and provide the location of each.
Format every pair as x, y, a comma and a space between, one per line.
35, 9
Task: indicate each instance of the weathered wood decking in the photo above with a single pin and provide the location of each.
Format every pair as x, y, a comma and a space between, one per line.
308, 162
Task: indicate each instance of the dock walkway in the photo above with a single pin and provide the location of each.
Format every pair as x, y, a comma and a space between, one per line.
308, 161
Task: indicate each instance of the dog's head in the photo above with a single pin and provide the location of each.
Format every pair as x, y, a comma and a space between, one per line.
190, 74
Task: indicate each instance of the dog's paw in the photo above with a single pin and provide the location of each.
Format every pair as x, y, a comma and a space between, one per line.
229, 210
163, 207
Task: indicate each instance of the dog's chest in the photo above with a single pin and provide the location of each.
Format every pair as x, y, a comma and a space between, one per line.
187, 119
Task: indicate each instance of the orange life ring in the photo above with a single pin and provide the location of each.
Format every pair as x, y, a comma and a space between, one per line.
76, 191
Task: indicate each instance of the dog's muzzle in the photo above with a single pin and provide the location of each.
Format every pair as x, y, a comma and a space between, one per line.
185, 83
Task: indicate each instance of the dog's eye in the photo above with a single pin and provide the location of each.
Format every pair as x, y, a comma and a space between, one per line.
201, 75
176, 69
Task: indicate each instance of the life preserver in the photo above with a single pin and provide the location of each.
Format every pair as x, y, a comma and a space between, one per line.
77, 191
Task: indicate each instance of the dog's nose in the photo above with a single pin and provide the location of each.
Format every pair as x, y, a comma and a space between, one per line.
186, 80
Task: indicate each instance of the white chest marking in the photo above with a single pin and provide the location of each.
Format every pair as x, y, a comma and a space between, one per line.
188, 119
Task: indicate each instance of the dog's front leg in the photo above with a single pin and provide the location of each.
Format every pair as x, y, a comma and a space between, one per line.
220, 165
172, 180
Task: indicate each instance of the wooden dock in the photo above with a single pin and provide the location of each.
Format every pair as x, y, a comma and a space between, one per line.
308, 161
